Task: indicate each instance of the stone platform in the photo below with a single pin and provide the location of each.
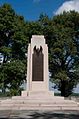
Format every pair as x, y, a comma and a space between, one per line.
38, 101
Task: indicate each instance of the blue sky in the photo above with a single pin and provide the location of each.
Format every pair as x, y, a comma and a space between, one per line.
31, 9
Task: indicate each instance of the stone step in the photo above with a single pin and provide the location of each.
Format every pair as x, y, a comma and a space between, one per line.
38, 98
8, 108
48, 107
38, 102
24, 104
37, 108
20, 107
33, 103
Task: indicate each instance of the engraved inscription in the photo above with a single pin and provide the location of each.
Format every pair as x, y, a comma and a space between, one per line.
37, 64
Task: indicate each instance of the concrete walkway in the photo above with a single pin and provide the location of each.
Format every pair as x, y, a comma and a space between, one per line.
39, 114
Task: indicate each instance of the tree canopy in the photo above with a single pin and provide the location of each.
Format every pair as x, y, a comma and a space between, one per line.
13, 46
64, 53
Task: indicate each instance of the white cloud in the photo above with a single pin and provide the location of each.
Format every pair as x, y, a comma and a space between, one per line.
68, 5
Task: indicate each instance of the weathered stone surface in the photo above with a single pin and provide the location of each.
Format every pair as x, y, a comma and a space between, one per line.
37, 65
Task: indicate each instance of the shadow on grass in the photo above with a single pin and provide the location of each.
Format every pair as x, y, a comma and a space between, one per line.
41, 115
54, 116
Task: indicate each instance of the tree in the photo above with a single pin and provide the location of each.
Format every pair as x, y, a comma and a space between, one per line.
64, 52
47, 29
34, 28
13, 37
13, 46
6, 29
12, 76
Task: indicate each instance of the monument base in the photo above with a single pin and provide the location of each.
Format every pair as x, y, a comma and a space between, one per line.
37, 93
38, 101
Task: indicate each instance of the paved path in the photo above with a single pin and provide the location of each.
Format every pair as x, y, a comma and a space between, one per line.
39, 115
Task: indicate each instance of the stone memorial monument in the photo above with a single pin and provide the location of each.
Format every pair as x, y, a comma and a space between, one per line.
37, 66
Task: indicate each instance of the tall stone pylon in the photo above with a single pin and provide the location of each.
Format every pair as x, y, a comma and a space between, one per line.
37, 65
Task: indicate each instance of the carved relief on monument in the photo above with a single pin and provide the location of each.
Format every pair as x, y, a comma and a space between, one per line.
37, 64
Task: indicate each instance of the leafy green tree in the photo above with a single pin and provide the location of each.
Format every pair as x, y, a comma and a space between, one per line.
64, 52
13, 37
34, 28
6, 29
20, 38
47, 29
12, 76
13, 46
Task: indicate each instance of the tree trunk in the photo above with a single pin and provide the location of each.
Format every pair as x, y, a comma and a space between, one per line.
62, 88
3, 89
4, 60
